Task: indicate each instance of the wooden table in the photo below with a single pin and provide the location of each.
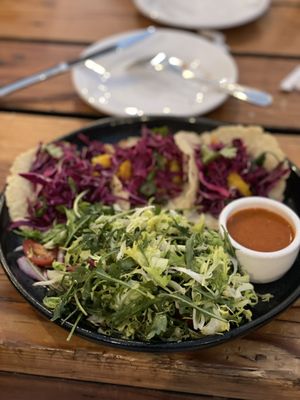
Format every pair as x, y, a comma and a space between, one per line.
36, 361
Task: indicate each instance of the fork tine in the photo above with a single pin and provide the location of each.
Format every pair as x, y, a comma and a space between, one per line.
153, 60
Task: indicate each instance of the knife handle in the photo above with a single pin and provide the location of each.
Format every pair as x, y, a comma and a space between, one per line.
35, 78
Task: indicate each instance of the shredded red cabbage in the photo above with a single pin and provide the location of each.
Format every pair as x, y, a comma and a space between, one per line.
157, 166
59, 176
214, 192
155, 170
57, 181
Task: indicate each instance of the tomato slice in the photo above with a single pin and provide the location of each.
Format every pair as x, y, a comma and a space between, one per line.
38, 254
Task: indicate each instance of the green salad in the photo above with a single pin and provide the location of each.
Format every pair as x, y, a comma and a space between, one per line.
143, 274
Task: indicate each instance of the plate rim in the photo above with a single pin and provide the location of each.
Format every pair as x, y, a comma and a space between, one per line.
165, 20
135, 345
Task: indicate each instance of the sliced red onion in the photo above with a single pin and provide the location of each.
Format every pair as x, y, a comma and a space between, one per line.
60, 256
53, 277
30, 269
19, 248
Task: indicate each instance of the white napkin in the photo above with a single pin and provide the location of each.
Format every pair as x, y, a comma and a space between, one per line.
291, 81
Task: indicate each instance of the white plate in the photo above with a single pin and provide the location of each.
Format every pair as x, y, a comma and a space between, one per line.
197, 14
141, 90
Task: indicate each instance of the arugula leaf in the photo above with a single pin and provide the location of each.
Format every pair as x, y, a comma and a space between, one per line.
146, 274
162, 130
208, 154
189, 251
260, 160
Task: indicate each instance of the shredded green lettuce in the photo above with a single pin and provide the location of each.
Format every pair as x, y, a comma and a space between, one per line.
208, 154
145, 274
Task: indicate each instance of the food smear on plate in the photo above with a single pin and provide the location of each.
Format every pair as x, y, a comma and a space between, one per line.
260, 229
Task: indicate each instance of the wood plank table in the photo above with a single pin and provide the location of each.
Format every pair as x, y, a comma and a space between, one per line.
35, 358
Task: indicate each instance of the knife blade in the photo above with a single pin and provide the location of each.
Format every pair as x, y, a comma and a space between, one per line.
65, 66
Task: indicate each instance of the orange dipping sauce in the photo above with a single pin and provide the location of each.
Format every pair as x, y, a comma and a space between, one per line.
260, 229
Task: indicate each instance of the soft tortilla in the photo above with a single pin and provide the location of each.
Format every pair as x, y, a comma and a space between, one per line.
187, 142
129, 142
19, 190
255, 138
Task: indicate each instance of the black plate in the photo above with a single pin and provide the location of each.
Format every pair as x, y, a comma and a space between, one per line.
285, 290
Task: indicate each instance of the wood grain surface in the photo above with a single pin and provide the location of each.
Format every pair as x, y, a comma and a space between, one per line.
59, 96
36, 361
55, 20
28, 387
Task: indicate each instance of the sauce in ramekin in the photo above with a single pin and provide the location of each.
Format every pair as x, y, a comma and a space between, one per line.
260, 229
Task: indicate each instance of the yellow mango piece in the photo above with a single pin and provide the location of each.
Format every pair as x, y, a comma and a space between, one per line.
234, 180
174, 166
102, 159
125, 170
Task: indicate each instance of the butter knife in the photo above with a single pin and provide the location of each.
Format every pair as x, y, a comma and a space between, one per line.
65, 66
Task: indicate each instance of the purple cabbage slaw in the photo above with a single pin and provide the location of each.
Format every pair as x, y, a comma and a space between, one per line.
152, 159
156, 173
214, 191
59, 176
58, 180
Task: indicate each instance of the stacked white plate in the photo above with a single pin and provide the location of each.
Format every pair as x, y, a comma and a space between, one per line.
197, 14
117, 87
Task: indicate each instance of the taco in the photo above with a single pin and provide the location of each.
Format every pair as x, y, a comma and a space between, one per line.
149, 168
128, 174
46, 180
237, 161
187, 171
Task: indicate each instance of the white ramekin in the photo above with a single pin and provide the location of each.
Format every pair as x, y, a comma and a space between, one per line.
263, 267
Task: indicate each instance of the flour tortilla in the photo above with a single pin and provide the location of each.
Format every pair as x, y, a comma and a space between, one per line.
129, 142
19, 190
255, 138
187, 142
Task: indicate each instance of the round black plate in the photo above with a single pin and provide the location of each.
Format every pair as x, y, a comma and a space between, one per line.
285, 290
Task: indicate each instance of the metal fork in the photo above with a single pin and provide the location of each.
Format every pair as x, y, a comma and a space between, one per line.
161, 61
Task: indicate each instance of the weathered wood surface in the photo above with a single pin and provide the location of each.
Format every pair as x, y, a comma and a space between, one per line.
56, 20
28, 387
59, 96
259, 366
